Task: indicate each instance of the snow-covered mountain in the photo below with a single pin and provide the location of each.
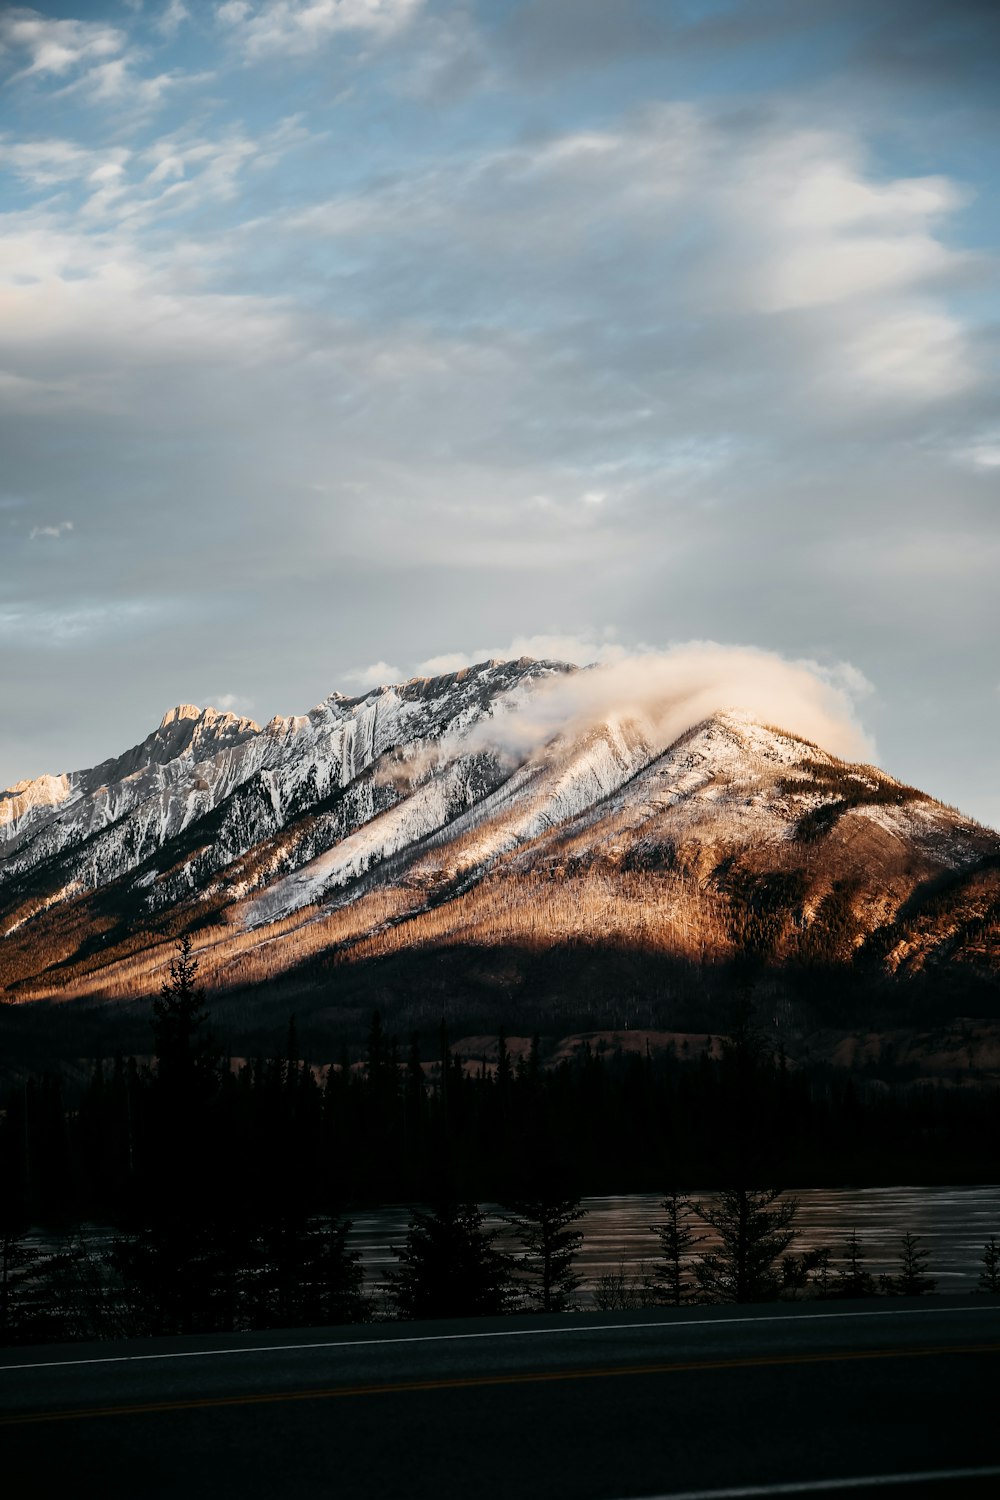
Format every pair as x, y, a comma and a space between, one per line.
91, 827
401, 824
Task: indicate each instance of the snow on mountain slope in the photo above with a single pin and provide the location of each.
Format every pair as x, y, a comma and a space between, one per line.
191, 745
732, 780
475, 807
84, 830
730, 789
405, 813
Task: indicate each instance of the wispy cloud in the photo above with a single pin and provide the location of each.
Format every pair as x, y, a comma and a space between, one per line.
297, 27
479, 323
91, 60
232, 702
52, 47
50, 531
378, 674
74, 624
984, 454
172, 17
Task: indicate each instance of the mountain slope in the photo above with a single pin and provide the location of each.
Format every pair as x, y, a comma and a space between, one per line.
391, 837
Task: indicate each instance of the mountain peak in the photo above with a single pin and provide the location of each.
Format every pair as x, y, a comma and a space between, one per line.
469, 814
182, 711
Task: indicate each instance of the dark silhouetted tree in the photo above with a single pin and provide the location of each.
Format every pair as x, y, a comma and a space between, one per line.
543, 1225
332, 1276
911, 1279
186, 1067
852, 1278
450, 1267
303, 1275
808, 1272
180, 1265
754, 1229
989, 1276
669, 1282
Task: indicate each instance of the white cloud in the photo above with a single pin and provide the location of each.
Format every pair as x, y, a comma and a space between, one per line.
231, 702
379, 674
172, 17
117, 83
95, 60
911, 354
448, 661
53, 46
982, 455
49, 627
44, 163
297, 27
788, 227
674, 689
83, 313
54, 531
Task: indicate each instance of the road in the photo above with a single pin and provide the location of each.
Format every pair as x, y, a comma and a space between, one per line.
597, 1406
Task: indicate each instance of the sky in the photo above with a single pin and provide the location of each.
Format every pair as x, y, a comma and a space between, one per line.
344, 340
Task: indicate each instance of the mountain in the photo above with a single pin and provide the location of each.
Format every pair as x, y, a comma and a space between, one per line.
417, 848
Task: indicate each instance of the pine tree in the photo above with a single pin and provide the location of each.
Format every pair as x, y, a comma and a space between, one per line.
542, 1224
853, 1280
669, 1282
331, 1276
912, 1280
180, 1274
298, 1272
754, 1231
989, 1276
449, 1266
179, 1266
186, 1067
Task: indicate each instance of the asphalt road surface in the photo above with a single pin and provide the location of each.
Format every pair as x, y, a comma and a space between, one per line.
796, 1399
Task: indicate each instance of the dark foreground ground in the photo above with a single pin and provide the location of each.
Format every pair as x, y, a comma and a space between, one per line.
787, 1400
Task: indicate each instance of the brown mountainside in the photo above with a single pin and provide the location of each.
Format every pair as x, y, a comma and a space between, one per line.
597, 881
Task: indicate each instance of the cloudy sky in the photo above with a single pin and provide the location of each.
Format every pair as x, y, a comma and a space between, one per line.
346, 339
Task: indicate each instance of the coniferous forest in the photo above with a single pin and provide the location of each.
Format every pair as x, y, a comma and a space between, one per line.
228, 1189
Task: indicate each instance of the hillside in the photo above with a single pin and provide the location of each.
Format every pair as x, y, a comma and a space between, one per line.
393, 849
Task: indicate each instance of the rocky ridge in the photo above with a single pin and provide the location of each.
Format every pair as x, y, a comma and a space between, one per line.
399, 825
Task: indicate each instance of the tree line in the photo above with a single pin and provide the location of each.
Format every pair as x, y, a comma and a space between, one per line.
226, 1189
453, 1263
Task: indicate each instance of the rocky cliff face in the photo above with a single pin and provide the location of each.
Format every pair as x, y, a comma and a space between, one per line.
402, 825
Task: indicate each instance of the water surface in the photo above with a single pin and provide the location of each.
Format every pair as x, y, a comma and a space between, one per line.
953, 1224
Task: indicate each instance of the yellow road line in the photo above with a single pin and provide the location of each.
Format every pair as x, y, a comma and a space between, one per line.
472, 1382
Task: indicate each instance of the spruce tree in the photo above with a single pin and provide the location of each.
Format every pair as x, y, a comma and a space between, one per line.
754, 1231
301, 1273
186, 1067
179, 1266
669, 1282
330, 1277
449, 1266
542, 1224
853, 1279
989, 1276
911, 1280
